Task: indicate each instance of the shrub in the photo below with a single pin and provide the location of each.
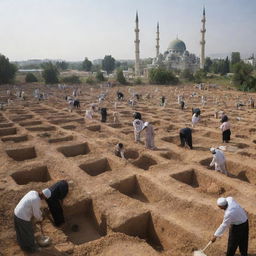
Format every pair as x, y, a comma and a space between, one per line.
99, 76
50, 73
90, 80
187, 75
71, 79
31, 78
137, 80
120, 77
162, 76
199, 76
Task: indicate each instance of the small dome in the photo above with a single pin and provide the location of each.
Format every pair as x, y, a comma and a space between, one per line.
177, 45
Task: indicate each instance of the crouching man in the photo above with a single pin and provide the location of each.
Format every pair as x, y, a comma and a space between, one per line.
26, 209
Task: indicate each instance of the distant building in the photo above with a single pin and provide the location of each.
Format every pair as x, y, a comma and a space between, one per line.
250, 61
176, 57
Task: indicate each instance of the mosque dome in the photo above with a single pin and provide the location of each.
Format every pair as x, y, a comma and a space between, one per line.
177, 46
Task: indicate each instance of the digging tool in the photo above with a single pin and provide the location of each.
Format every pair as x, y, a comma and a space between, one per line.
201, 252
43, 240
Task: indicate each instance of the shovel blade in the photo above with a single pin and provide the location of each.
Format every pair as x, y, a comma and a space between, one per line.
199, 253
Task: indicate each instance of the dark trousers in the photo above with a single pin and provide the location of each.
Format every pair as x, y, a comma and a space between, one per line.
56, 211
226, 135
238, 237
186, 139
25, 234
103, 117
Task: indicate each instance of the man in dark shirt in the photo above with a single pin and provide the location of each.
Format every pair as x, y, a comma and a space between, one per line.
58, 192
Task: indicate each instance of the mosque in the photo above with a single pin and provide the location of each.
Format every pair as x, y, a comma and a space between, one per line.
176, 57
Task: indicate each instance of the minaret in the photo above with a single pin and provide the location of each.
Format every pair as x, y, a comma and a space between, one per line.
203, 30
137, 47
157, 40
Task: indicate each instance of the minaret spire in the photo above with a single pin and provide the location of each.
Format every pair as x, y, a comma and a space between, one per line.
157, 40
137, 46
203, 30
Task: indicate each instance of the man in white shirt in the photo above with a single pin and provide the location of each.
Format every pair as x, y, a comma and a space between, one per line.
26, 209
218, 160
138, 126
235, 218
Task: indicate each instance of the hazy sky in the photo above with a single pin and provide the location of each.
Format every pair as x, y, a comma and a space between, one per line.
73, 29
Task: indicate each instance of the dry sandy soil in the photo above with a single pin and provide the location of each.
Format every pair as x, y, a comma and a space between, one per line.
160, 202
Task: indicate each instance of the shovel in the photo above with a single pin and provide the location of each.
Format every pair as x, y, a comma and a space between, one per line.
201, 252
43, 240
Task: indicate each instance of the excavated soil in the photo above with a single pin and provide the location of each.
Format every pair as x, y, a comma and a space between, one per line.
156, 202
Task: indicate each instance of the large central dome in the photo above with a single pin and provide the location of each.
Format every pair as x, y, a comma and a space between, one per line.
177, 46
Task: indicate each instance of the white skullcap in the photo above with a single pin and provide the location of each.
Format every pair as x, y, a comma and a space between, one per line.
146, 123
212, 150
222, 201
47, 193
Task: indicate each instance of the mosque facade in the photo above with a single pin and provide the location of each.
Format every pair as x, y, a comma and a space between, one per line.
176, 56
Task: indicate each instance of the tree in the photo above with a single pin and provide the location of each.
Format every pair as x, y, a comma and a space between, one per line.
235, 58
7, 70
243, 78
226, 66
108, 64
50, 73
208, 64
62, 65
162, 76
199, 76
187, 75
31, 78
86, 65
120, 77
100, 76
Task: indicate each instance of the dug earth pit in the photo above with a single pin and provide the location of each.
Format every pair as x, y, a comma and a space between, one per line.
37, 174
74, 150
144, 162
82, 225
96, 167
21, 154
15, 138
8, 131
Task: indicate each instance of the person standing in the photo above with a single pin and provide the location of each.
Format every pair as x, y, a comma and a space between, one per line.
186, 137
150, 144
56, 193
225, 128
235, 218
104, 114
28, 207
218, 161
137, 125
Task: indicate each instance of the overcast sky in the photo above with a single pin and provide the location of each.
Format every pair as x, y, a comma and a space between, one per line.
74, 29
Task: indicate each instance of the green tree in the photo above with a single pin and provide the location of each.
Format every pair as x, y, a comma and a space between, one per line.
31, 78
62, 65
99, 76
87, 65
120, 77
7, 70
108, 64
208, 64
235, 58
226, 65
50, 73
243, 77
162, 76
200, 75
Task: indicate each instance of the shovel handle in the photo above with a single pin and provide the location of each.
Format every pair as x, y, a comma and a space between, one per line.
207, 246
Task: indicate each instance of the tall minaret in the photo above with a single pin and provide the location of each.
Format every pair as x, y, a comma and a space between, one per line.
137, 47
203, 30
157, 40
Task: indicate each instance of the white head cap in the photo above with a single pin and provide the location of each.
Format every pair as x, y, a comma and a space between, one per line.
47, 193
212, 150
222, 201
146, 124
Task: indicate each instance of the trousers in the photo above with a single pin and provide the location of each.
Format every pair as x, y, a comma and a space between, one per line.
238, 237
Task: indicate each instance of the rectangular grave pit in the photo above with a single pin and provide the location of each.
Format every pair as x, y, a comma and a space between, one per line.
74, 150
